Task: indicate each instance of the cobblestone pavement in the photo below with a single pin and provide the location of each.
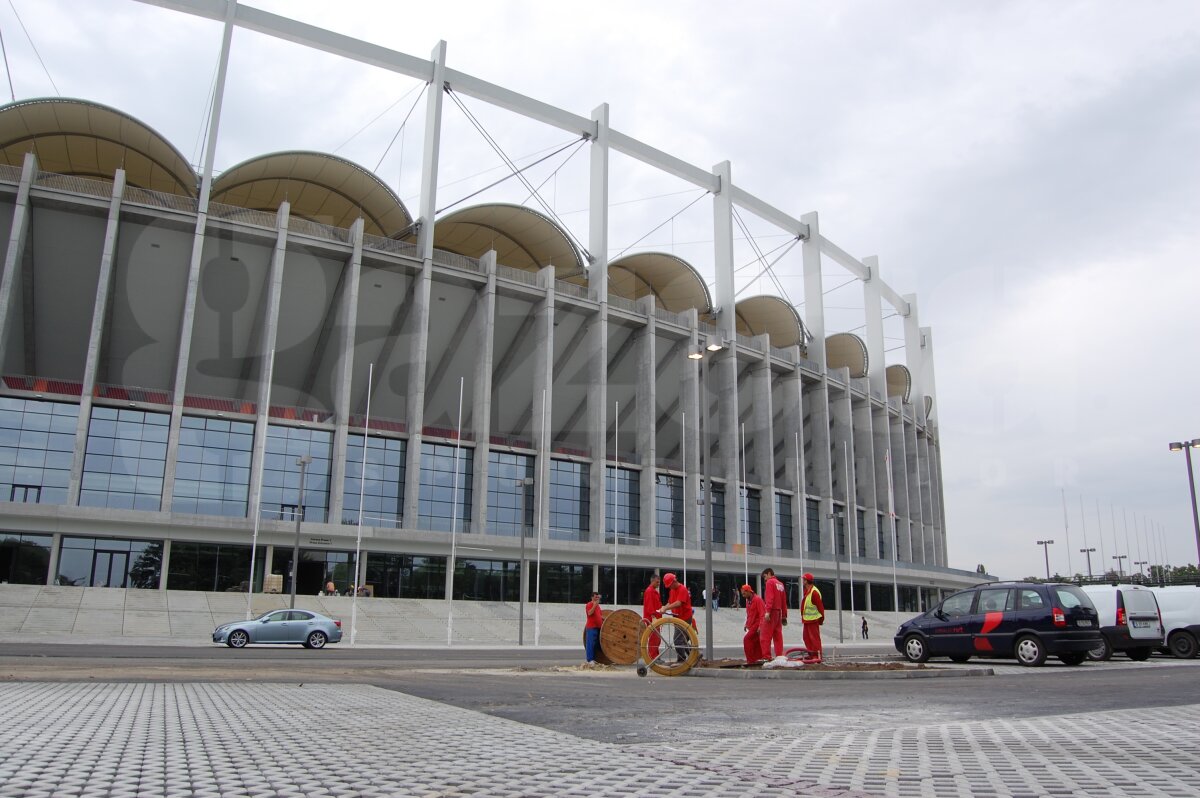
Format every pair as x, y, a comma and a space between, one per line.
73, 739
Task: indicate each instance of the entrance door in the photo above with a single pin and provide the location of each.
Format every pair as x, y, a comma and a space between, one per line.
110, 568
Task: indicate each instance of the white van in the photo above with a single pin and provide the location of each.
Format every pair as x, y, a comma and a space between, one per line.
1180, 609
1129, 621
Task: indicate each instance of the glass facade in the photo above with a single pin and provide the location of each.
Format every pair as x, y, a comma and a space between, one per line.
487, 580
37, 444
406, 576
109, 562
718, 522
562, 583
812, 518
281, 474
383, 491
668, 511
882, 598
570, 505
861, 523
839, 529
213, 567
883, 537
212, 471
439, 506
631, 586
622, 505
317, 566
24, 559
507, 497
125, 461
783, 522
753, 515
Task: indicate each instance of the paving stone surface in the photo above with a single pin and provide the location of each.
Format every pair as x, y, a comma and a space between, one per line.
119, 740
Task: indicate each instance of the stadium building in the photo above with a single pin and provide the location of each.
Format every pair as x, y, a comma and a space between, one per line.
179, 349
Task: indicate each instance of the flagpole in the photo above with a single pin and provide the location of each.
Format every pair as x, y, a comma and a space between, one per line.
683, 488
258, 509
803, 506
356, 585
454, 521
616, 474
745, 516
537, 581
887, 460
1067, 533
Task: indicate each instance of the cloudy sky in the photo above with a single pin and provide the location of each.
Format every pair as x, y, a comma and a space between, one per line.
1030, 170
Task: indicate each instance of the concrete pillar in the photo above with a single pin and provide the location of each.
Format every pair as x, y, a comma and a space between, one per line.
916, 511
55, 549
724, 364
15, 253
481, 397
96, 344
897, 441
763, 433
266, 377
928, 541
542, 401
690, 431
647, 423
792, 386
597, 342
165, 565
818, 396
348, 330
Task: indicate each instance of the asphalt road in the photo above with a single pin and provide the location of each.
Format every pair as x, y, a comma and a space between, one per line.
546, 688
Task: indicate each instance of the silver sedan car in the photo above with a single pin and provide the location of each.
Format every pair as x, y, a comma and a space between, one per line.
309, 629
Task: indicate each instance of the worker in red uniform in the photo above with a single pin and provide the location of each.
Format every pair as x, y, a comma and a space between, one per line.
679, 600
812, 614
755, 609
771, 629
591, 629
652, 609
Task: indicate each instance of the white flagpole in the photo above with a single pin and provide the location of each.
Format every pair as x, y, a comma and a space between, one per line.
616, 474
1100, 534
537, 579
851, 530
683, 491
356, 585
454, 521
803, 505
745, 517
887, 460
1067, 533
258, 509
1083, 527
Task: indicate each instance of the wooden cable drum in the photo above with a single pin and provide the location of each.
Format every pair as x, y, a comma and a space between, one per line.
619, 638
678, 646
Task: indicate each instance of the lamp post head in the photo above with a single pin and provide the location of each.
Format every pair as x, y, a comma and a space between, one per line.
1175, 446
304, 460
695, 352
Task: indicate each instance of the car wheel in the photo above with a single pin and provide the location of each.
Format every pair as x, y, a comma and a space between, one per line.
1182, 644
1138, 654
237, 639
1102, 652
915, 649
1030, 651
315, 640
960, 657
1072, 657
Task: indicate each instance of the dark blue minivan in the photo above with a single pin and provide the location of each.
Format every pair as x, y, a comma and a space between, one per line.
1026, 620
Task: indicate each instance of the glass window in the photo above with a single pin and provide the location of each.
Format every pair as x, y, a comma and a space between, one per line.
882, 526
718, 522
812, 515
995, 599
631, 585
406, 576
125, 460
37, 445
109, 562
752, 512
444, 499
959, 604
563, 583
281, 474
570, 505
1070, 597
668, 510
383, 489
839, 527
24, 559
487, 580
623, 503
215, 567
507, 497
861, 524
317, 567
783, 522
212, 472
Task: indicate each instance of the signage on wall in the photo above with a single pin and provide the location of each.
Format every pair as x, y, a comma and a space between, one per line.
320, 541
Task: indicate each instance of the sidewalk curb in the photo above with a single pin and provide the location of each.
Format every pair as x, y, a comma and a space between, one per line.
797, 673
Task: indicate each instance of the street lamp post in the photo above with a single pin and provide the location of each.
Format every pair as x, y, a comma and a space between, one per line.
303, 463
696, 352
837, 562
1187, 447
1120, 565
524, 485
1045, 544
1088, 552
1141, 570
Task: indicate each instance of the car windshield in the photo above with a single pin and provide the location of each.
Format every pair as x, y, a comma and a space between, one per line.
1070, 597
1139, 601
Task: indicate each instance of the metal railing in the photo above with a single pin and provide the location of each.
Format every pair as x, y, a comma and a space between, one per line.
159, 199
127, 393
10, 174
42, 385
571, 289
678, 319
76, 185
455, 261
622, 303
248, 216
517, 275
307, 414
382, 244
317, 229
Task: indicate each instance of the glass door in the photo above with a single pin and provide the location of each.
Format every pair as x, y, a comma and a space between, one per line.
110, 568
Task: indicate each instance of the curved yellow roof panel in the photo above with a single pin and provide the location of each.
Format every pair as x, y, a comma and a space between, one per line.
522, 237
319, 187
771, 316
846, 350
899, 382
86, 139
675, 285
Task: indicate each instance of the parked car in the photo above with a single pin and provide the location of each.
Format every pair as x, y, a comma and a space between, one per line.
309, 629
1179, 608
1026, 620
1129, 621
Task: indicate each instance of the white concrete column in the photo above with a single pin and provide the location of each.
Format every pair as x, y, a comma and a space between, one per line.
15, 253
55, 549
481, 397
818, 396
792, 388
266, 376
347, 337
725, 363
431, 152
96, 345
916, 508
543, 386
165, 565
689, 400
597, 341
647, 424
762, 431
598, 206
929, 538
899, 446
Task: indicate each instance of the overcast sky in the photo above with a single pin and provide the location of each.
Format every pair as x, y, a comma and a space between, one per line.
1030, 170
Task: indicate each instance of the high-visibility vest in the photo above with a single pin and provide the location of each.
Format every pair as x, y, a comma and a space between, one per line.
809, 611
